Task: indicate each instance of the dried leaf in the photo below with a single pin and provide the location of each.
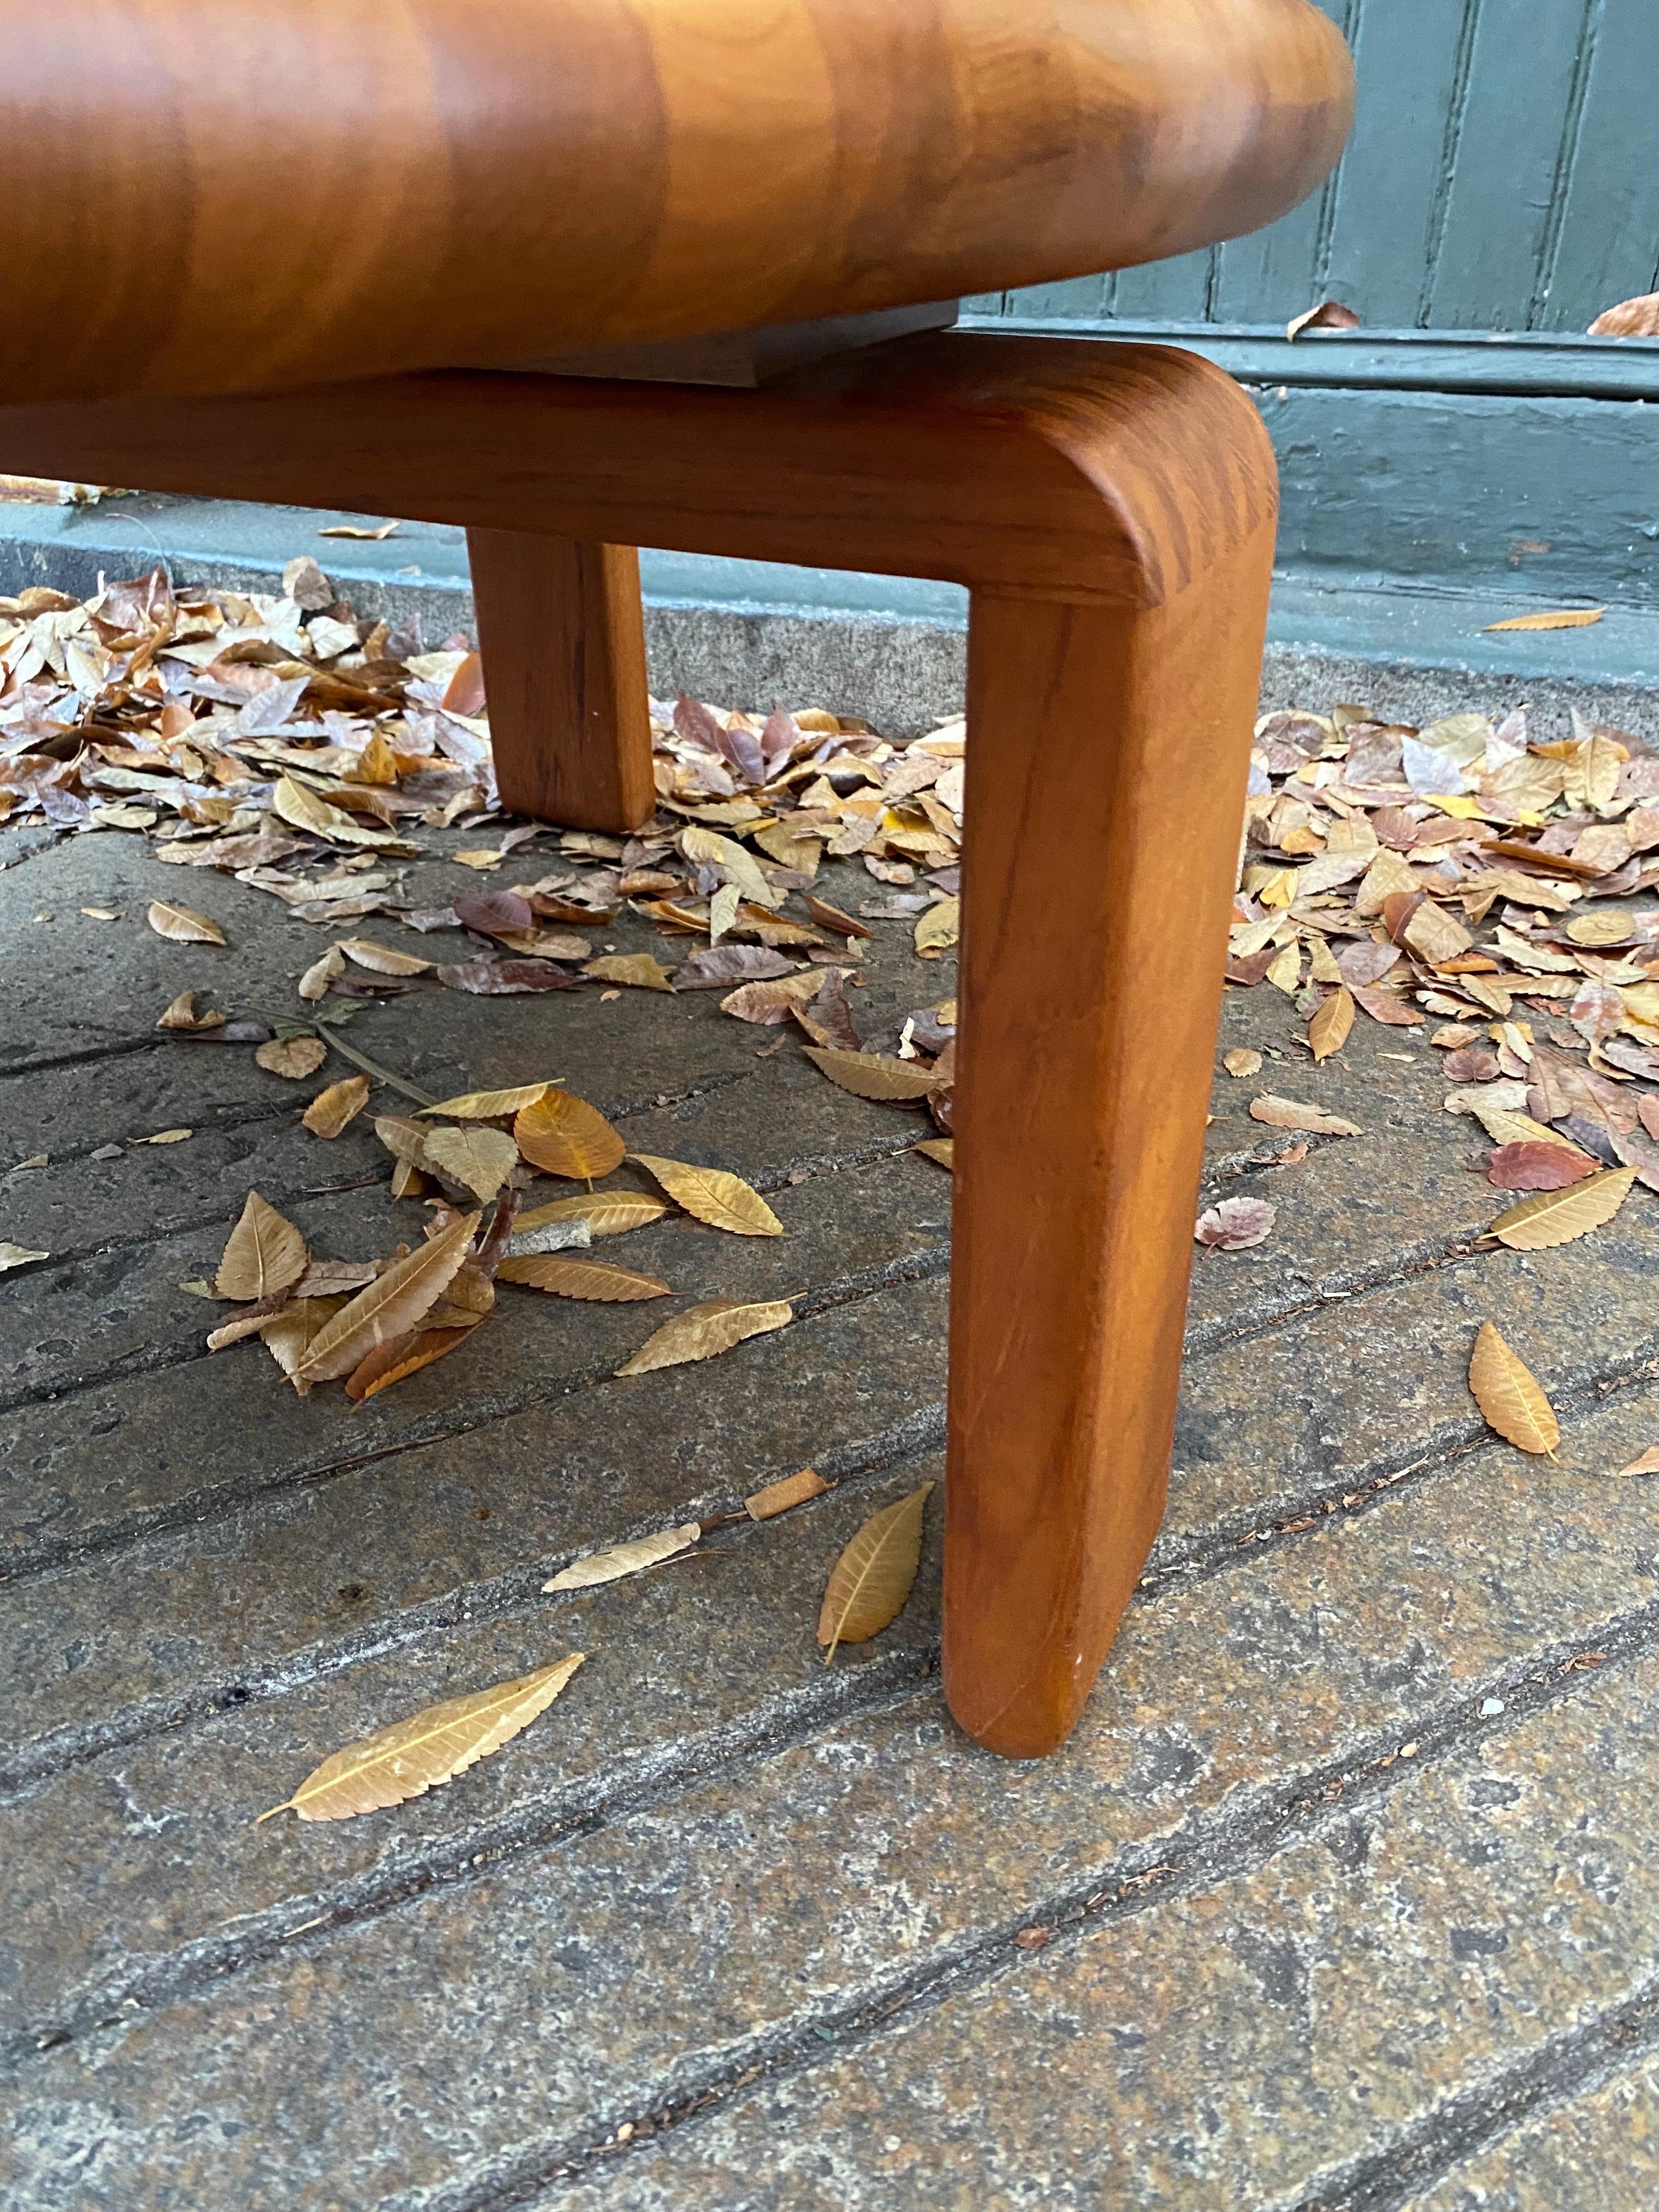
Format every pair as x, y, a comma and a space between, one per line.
832, 919
874, 1576
566, 1136
1558, 1217
330, 1109
490, 1105
314, 984
1288, 1113
701, 1331
406, 1355
942, 1149
611, 1564
293, 1057
265, 1253
580, 1279
181, 1014
298, 804
291, 1328
479, 1159
17, 1256
404, 1139
382, 959
501, 979
390, 1306
778, 1496
712, 968
1235, 1224
428, 1749
873, 1075
184, 924
640, 969
1328, 315
1328, 1031
1241, 1061
606, 1212
1530, 1164
1647, 1463
771, 1003
1508, 1394
354, 529
710, 1194
1551, 618
938, 929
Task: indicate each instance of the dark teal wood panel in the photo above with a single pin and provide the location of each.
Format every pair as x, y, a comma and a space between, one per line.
1503, 175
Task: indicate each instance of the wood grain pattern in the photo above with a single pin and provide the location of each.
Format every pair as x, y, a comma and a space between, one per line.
1112, 510
1100, 845
562, 637
204, 195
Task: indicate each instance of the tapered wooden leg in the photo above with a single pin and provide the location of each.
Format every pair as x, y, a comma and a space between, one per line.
563, 639
1107, 754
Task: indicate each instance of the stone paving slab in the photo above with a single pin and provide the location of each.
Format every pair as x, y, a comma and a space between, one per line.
1264, 1707
718, 1882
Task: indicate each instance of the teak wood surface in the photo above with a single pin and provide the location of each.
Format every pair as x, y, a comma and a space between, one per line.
209, 195
1112, 510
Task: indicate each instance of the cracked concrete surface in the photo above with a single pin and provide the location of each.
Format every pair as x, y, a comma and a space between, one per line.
1339, 1901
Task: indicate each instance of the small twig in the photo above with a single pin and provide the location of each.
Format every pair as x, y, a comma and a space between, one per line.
369, 1068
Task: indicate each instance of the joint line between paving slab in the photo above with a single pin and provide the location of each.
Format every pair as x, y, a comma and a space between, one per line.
755, 1736
503, 1597
1214, 1849
928, 1265
792, 1718
1576, 2063
1203, 1339
1225, 1544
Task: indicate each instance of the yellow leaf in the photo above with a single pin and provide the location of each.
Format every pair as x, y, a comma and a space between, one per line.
1646, 1463
1552, 618
1241, 1061
705, 847
266, 1253
620, 1560
567, 1137
1556, 1217
779, 1497
942, 1149
389, 1307
873, 1075
330, 1109
701, 1331
293, 1057
1285, 972
938, 928
382, 959
581, 1278
428, 1749
181, 1014
184, 924
640, 969
607, 1212
300, 806
1327, 1032
355, 530
479, 1159
1290, 1114
488, 1105
1507, 1394
871, 1580
710, 1194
